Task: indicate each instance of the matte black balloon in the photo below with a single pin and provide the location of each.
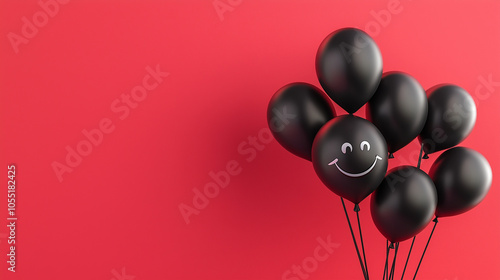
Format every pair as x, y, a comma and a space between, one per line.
349, 155
451, 117
404, 203
463, 178
398, 109
295, 114
349, 67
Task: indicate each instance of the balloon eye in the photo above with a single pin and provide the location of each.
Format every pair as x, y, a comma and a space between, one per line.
345, 146
364, 145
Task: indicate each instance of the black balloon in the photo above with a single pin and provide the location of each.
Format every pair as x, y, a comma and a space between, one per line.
295, 114
404, 203
451, 117
349, 155
462, 177
398, 109
349, 67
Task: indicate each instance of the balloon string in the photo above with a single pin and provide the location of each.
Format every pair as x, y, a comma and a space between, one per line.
354, 240
429, 240
386, 258
393, 269
407, 258
420, 156
362, 244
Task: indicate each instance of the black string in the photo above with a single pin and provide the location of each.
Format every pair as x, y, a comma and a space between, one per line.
393, 269
386, 267
386, 257
354, 240
407, 258
362, 243
429, 240
420, 156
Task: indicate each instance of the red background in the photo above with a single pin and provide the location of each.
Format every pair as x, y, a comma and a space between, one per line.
119, 208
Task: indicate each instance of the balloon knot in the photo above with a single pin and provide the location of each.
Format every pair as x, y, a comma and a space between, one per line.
426, 156
391, 155
356, 208
435, 220
391, 246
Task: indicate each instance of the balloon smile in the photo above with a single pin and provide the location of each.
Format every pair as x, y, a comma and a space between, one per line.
355, 174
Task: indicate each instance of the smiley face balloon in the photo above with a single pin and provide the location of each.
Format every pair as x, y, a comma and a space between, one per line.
349, 155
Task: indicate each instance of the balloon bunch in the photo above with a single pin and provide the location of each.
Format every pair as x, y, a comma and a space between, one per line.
350, 154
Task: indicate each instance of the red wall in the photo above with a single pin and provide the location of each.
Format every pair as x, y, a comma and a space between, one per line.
118, 206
